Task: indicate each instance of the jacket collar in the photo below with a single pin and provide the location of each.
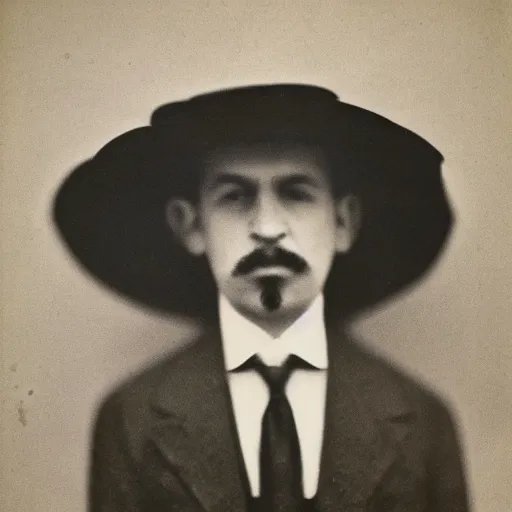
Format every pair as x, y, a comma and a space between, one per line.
367, 417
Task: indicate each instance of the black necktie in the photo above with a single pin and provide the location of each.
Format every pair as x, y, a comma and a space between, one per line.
280, 460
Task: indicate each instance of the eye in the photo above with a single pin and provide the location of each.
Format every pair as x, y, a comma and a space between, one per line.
297, 192
234, 195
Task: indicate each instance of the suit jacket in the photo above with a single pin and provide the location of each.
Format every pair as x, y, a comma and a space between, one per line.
165, 441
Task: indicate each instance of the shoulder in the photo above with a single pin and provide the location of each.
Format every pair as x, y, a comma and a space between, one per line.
390, 382
386, 391
129, 404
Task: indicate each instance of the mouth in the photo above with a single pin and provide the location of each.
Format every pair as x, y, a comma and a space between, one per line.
271, 270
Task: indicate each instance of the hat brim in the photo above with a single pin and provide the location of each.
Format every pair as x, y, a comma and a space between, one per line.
110, 211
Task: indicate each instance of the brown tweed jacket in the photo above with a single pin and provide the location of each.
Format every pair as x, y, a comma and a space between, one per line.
165, 441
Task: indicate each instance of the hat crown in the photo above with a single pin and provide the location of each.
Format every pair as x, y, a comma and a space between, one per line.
242, 98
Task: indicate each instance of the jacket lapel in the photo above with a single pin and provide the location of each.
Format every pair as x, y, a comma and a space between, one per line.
366, 420
194, 431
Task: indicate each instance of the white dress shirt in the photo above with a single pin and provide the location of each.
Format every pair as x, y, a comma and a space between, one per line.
305, 390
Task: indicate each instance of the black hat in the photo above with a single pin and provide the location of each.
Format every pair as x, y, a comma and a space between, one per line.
111, 209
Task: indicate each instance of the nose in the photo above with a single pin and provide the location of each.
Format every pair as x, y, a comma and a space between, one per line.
268, 224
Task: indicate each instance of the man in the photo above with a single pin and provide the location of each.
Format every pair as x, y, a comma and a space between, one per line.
272, 214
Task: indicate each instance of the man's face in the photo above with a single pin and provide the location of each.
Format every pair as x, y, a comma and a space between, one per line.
268, 218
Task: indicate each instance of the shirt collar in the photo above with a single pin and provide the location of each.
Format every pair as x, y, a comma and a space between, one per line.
241, 338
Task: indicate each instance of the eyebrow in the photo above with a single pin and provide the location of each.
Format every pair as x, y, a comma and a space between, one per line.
299, 179
227, 178
235, 179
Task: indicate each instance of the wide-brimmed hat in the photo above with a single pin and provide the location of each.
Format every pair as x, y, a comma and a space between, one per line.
111, 209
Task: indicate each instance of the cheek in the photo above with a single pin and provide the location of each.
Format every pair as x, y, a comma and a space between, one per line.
224, 242
316, 231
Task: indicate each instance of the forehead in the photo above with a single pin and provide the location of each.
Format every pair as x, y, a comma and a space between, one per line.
258, 164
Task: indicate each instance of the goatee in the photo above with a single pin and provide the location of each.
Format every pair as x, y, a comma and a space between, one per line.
270, 296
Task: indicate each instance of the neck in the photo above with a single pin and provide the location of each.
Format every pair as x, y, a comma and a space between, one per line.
273, 323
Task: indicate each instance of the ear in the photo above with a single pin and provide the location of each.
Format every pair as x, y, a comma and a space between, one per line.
348, 222
183, 219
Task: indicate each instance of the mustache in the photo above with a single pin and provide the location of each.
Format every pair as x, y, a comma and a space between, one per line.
276, 256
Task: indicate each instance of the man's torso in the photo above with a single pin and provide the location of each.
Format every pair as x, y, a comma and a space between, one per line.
166, 440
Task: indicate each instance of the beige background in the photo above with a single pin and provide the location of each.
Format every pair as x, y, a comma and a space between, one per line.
75, 74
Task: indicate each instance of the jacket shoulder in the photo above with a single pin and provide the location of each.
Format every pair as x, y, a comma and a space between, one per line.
128, 406
393, 379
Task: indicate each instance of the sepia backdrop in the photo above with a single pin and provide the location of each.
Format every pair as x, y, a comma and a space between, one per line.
75, 74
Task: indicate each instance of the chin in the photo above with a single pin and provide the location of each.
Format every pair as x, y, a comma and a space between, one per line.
290, 307
296, 297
